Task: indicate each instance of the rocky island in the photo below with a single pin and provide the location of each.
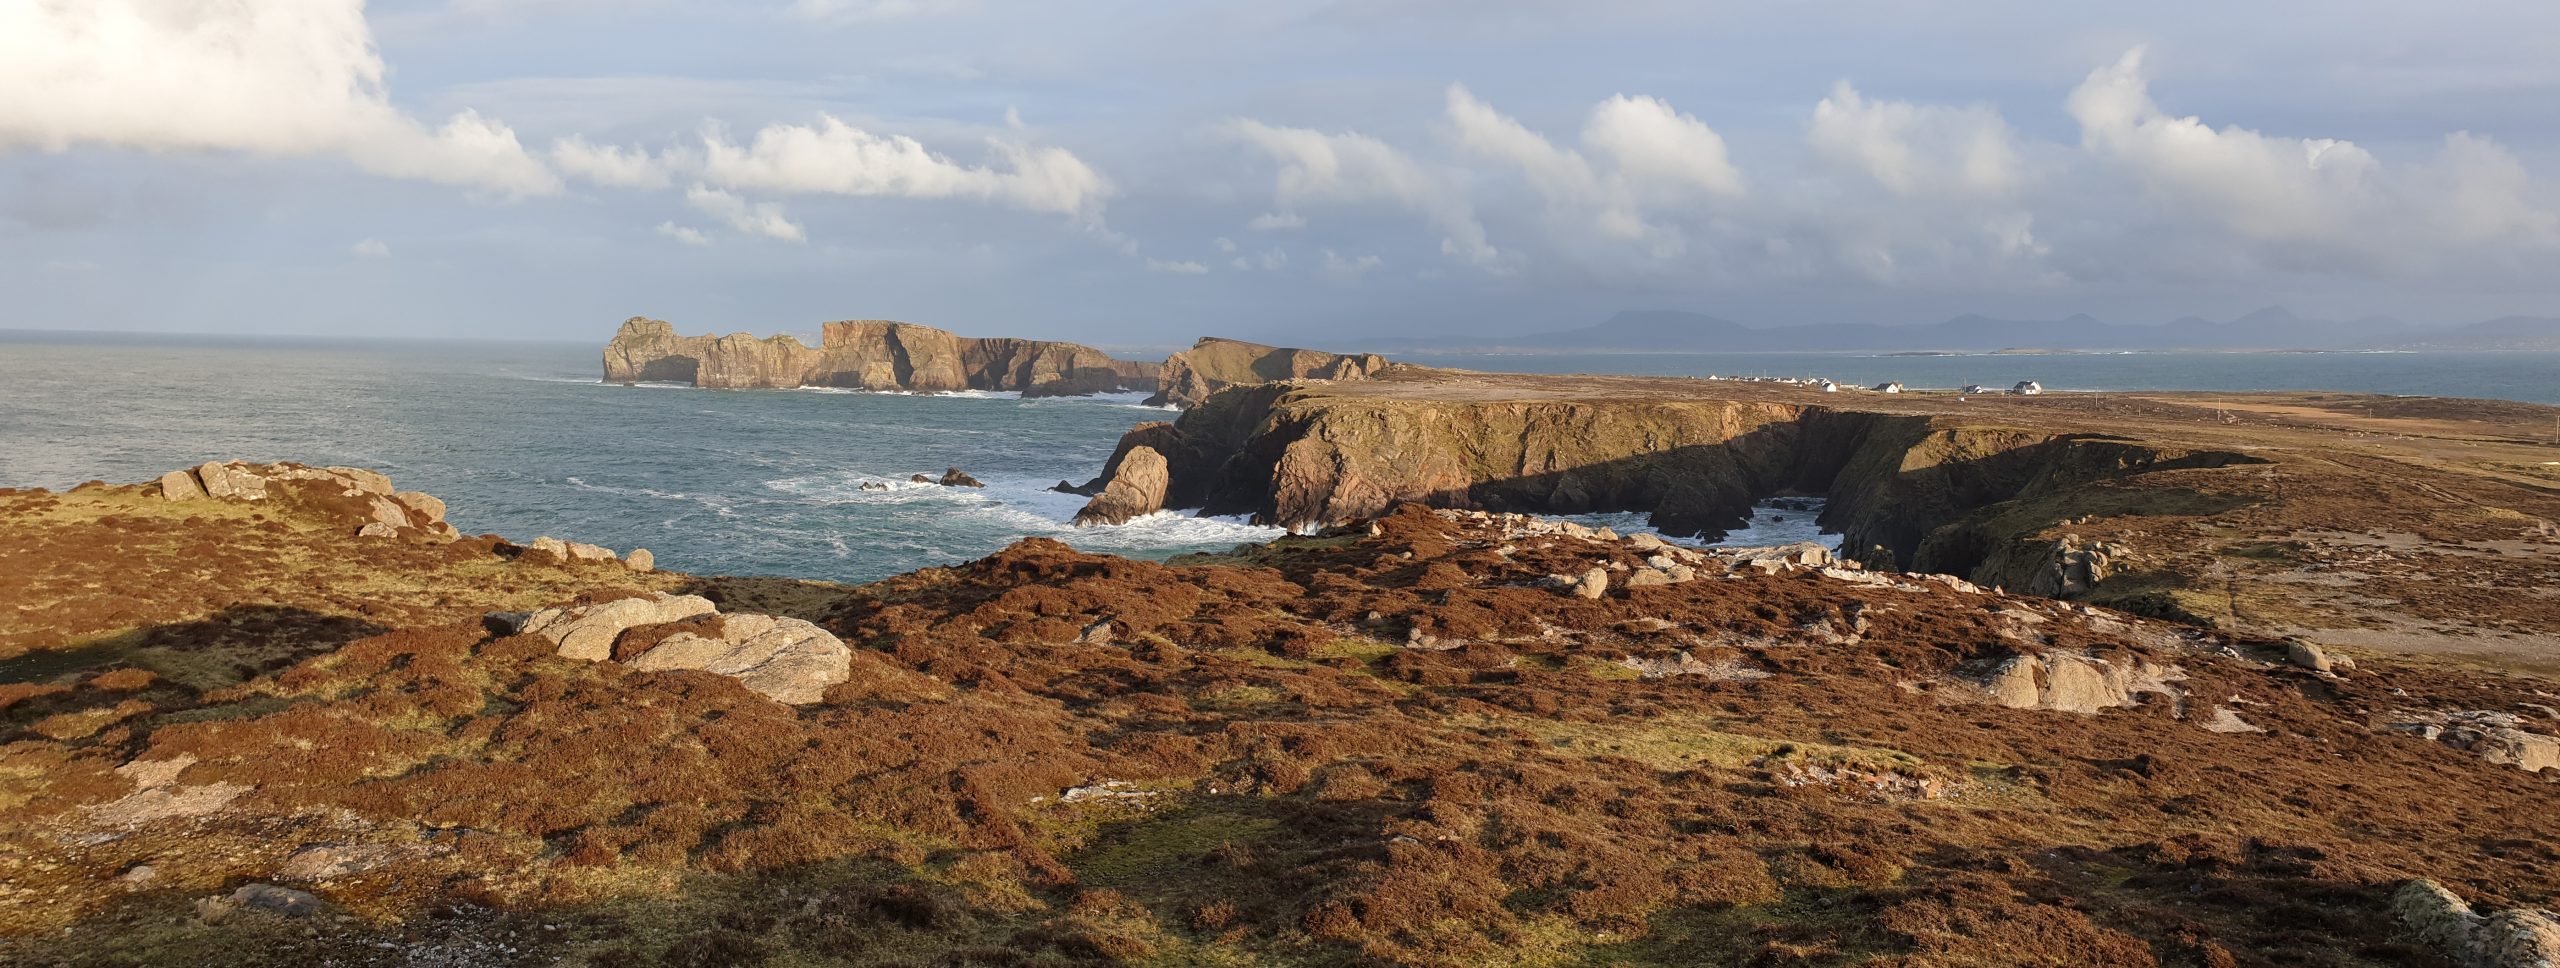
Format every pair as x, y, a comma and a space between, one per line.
2143, 680
876, 354
868, 354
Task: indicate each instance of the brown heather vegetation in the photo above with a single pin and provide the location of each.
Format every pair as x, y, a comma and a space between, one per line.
1392, 748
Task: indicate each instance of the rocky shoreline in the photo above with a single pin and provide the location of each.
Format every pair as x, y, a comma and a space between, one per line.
1420, 737
2174, 693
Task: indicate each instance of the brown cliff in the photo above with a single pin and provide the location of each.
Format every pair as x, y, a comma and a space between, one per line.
868, 355
2259, 511
1214, 364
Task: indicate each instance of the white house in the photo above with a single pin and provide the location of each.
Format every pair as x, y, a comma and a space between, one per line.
1888, 388
1830, 387
2027, 388
1976, 388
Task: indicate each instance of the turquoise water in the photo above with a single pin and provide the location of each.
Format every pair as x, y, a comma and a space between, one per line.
521, 440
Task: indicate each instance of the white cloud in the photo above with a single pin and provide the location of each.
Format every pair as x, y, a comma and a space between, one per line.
1656, 159
610, 165
2313, 197
835, 158
1341, 267
1277, 222
1357, 169
371, 249
683, 233
288, 78
1224, 244
1914, 149
764, 219
1183, 268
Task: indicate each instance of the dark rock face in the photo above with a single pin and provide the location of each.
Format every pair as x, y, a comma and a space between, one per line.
1214, 364
869, 355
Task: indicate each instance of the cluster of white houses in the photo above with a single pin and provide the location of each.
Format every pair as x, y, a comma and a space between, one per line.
2024, 388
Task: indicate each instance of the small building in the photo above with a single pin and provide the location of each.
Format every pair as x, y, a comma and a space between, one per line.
1976, 388
1888, 388
1829, 387
2027, 388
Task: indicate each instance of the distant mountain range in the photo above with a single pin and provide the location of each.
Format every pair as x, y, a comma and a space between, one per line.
2272, 328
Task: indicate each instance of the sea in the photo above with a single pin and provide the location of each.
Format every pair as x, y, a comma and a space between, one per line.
521, 439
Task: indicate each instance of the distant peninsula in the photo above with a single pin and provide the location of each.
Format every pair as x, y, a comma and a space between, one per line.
887, 355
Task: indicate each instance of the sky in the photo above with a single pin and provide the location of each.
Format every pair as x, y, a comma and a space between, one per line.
1137, 174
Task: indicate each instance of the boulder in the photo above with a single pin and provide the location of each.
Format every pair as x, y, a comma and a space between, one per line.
2068, 682
231, 481
388, 513
1592, 584
579, 551
426, 506
2307, 655
955, 477
588, 632
372, 482
1136, 489
377, 529
640, 560
919, 479
2441, 920
786, 659
549, 545
280, 901
180, 486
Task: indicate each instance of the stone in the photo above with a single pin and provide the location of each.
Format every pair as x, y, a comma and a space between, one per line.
231, 481
549, 545
1593, 584
588, 632
1646, 541
955, 477
388, 512
2226, 721
369, 482
2307, 655
1136, 489
919, 479
786, 659
180, 486
376, 529
426, 506
2440, 919
640, 560
2067, 682
2507, 746
579, 551
1648, 578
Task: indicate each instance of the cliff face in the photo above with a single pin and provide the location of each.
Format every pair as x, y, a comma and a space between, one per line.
1938, 493
1213, 364
871, 355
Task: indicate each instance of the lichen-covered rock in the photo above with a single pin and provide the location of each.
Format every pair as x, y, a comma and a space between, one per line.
1135, 490
787, 659
2074, 683
588, 632
232, 481
180, 486
640, 560
2442, 920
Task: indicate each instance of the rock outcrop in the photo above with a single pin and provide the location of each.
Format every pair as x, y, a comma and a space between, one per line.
1136, 489
363, 496
2442, 920
1213, 364
867, 354
786, 659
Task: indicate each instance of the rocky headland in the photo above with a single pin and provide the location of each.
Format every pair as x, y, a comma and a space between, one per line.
2388, 522
869, 354
1214, 364
2142, 680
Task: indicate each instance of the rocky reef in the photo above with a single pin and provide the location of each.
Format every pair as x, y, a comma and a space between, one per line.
234, 729
1214, 364
868, 355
